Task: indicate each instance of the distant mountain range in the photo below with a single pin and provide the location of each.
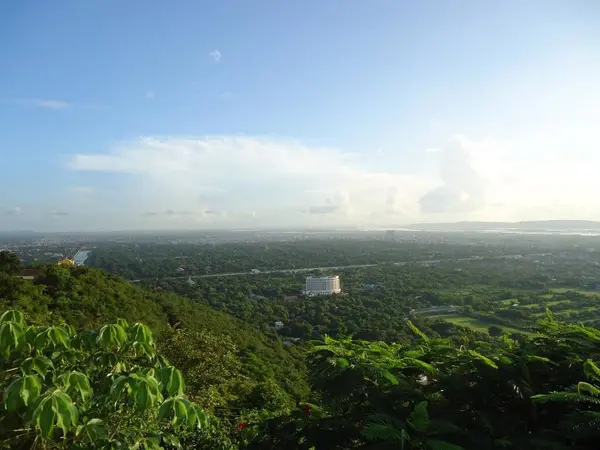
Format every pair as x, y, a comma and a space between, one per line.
533, 225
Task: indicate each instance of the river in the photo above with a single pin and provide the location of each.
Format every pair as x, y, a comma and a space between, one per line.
81, 256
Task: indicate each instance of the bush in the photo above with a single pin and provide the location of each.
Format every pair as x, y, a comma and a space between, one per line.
96, 389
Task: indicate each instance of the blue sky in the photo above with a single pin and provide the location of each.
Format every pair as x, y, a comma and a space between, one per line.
156, 114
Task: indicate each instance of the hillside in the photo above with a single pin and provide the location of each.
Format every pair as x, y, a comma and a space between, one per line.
87, 298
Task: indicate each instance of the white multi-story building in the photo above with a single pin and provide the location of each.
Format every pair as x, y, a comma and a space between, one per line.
323, 285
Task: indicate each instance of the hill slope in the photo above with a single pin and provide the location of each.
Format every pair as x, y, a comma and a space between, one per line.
86, 298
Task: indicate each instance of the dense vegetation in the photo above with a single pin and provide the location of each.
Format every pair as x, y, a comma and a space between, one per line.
143, 261
498, 282
522, 380
510, 293
439, 394
227, 364
106, 388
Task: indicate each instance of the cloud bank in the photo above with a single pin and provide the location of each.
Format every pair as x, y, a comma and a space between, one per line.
255, 181
245, 181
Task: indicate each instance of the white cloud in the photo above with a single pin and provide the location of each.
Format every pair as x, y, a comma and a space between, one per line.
215, 55
241, 180
462, 188
149, 95
257, 181
45, 103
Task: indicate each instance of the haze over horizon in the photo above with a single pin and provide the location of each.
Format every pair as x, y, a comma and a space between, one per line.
236, 114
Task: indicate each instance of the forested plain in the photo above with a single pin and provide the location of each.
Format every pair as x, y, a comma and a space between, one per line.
443, 352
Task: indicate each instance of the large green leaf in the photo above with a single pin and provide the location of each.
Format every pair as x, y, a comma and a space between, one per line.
112, 337
76, 382
22, 390
143, 390
171, 380
13, 316
142, 348
52, 338
11, 337
106, 359
55, 410
39, 364
119, 387
141, 333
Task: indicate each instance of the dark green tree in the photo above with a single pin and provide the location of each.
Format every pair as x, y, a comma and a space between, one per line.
9, 263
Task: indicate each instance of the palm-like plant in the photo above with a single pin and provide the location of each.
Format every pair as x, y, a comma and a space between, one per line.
583, 422
416, 432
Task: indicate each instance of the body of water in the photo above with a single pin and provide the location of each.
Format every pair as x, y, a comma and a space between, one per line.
81, 256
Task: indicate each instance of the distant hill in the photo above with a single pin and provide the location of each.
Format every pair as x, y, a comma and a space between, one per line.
534, 225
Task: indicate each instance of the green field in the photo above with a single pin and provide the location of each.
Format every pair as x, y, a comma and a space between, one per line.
532, 306
587, 292
548, 304
546, 299
507, 302
474, 323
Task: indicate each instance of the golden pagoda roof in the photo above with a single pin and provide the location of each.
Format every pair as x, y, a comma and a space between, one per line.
66, 262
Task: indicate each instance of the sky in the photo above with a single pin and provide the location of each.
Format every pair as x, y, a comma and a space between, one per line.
316, 113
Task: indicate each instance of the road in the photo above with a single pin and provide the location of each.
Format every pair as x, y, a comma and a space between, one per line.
355, 266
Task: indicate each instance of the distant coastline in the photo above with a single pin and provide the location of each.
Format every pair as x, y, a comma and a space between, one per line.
589, 227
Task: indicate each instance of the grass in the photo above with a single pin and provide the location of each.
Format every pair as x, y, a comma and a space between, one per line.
567, 311
508, 302
557, 302
474, 323
588, 292
463, 321
532, 306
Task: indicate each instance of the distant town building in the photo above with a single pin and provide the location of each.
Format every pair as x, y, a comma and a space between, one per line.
30, 274
278, 325
255, 271
323, 285
191, 282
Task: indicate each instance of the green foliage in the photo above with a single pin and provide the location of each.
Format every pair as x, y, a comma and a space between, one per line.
9, 263
75, 375
447, 395
89, 298
60, 391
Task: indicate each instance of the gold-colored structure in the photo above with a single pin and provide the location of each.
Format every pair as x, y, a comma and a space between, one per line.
66, 262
